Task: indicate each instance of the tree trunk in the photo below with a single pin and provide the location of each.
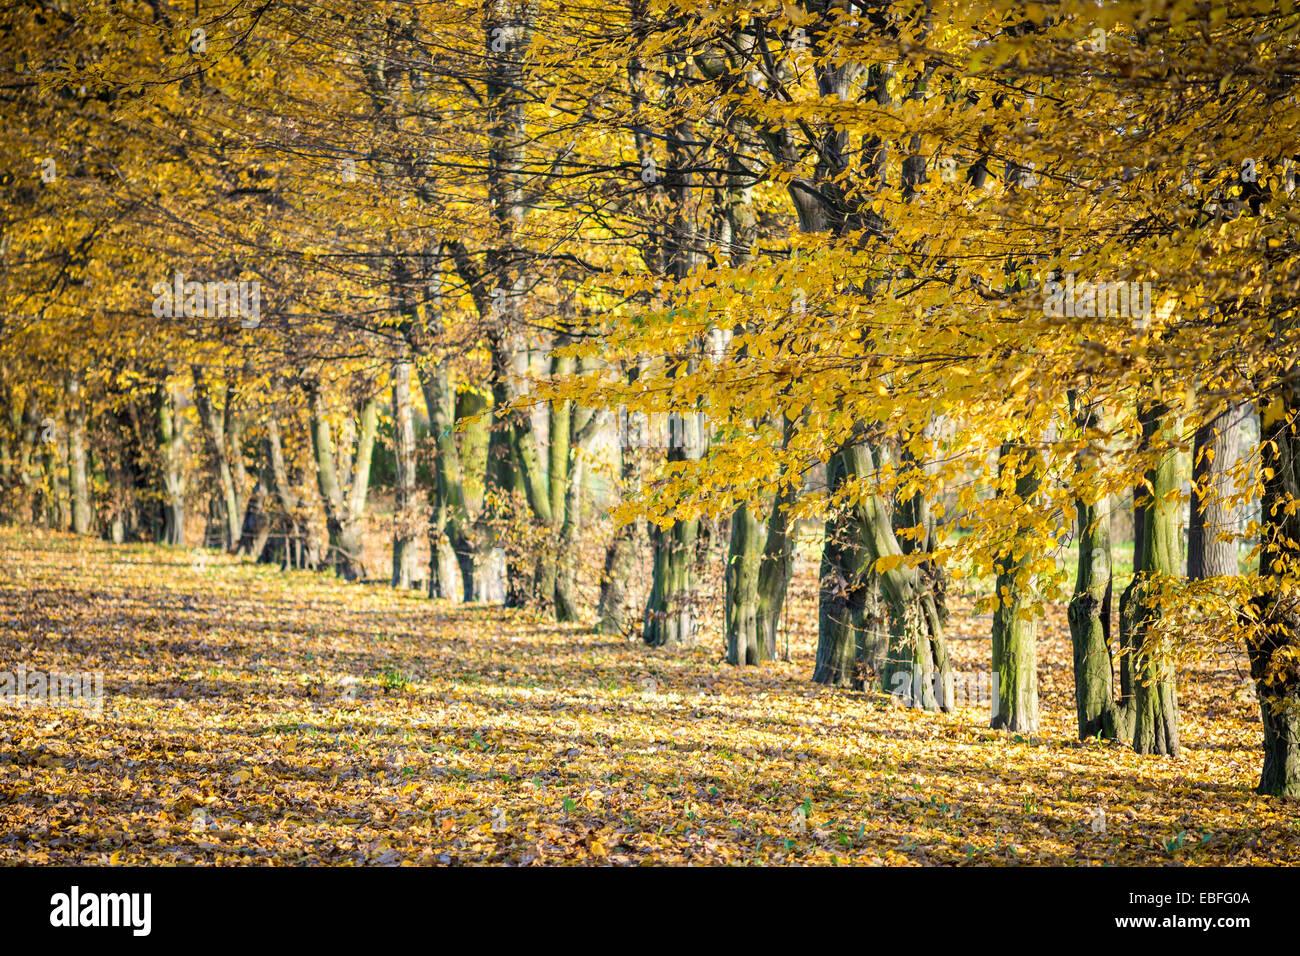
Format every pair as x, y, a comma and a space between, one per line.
214, 426
171, 451
1211, 545
1274, 647
55, 508
566, 584
584, 425
669, 614
918, 652
744, 560
1090, 605
774, 572
235, 452
1155, 699
289, 522
1089, 615
404, 513
78, 479
255, 529
560, 418
1015, 653
615, 611
844, 585
344, 495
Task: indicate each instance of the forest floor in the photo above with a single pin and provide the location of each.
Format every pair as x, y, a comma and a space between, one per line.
253, 716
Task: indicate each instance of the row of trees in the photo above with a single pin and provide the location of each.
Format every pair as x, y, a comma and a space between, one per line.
986, 268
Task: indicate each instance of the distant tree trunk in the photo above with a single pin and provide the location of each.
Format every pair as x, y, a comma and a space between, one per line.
344, 495
475, 549
446, 491
670, 610
235, 451
566, 584
1090, 606
845, 582
298, 550
1015, 653
78, 477
1211, 548
404, 517
560, 418
584, 425
1274, 647
171, 455
213, 418
774, 572
620, 559
256, 529
917, 656
669, 615
55, 508
26, 418
1154, 695
744, 560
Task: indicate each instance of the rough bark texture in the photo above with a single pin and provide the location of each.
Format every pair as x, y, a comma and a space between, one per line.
774, 572
1274, 647
212, 413
404, 512
914, 666
1155, 698
1089, 614
583, 427
669, 615
1015, 631
1090, 606
1211, 548
171, 457
845, 597
744, 557
344, 483
78, 478
918, 652
616, 613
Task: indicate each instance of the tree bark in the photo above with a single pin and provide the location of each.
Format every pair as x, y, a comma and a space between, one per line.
344, 483
1211, 546
844, 625
615, 609
298, 550
1090, 607
670, 610
1155, 699
744, 560
583, 427
171, 451
774, 572
918, 651
1015, 654
78, 478
404, 512
1274, 647
214, 427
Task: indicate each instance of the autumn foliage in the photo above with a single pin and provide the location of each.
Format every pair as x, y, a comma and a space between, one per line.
907, 387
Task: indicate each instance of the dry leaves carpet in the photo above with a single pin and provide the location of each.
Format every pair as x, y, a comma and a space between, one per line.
253, 716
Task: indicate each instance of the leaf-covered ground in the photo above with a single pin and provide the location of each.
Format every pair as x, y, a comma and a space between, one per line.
253, 716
